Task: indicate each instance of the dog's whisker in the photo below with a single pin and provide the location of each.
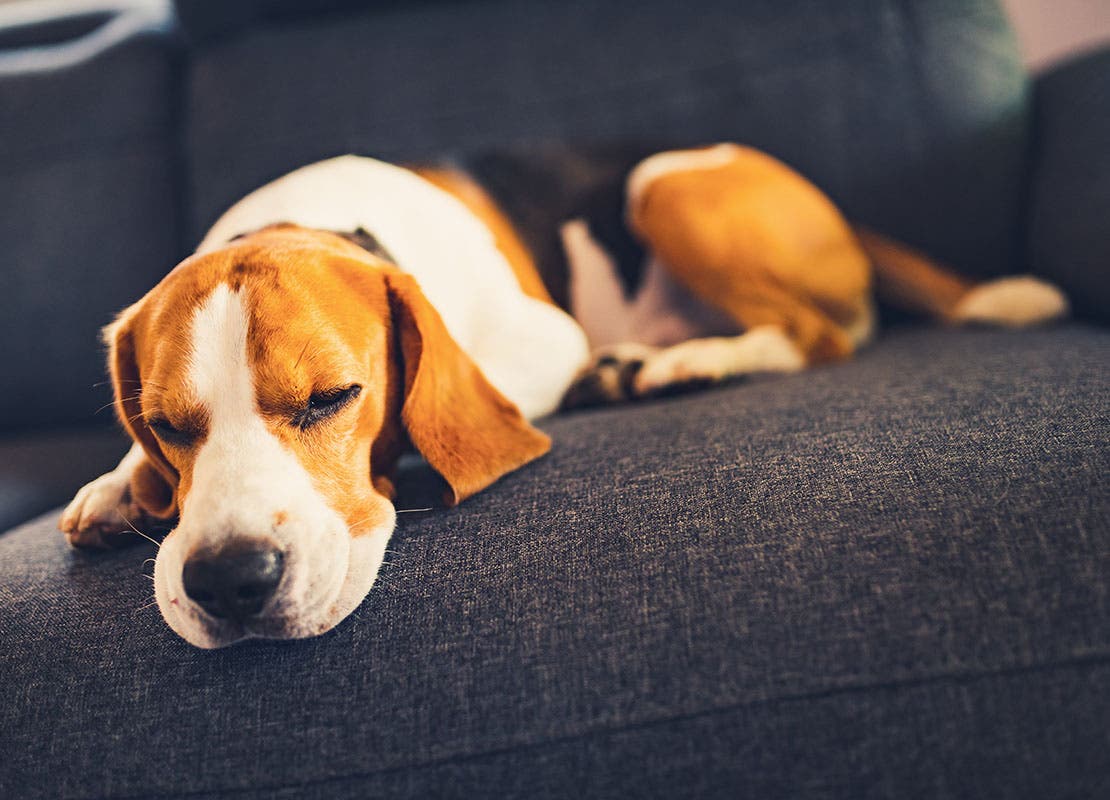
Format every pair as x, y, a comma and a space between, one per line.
306, 344
150, 539
303, 350
110, 382
140, 383
375, 516
153, 541
413, 510
149, 604
110, 403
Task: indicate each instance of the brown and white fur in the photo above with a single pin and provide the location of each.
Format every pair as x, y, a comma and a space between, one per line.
271, 380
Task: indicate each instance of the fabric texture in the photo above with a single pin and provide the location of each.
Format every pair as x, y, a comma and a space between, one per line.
882, 578
1069, 238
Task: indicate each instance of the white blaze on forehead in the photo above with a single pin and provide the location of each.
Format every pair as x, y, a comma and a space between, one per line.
219, 368
242, 471
241, 464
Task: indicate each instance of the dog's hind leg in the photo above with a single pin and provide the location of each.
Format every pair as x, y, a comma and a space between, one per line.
665, 339
630, 371
912, 282
781, 334
747, 235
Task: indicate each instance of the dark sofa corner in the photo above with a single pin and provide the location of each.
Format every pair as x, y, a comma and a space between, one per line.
885, 578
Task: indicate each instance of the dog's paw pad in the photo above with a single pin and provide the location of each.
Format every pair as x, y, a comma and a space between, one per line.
602, 384
1012, 302
608, 378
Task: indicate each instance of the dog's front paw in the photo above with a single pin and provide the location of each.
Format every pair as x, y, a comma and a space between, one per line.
1012, 302
101, 514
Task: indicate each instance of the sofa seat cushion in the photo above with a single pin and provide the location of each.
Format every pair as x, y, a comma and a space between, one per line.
886, 577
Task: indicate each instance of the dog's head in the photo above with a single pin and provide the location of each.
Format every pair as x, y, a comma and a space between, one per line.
272, 384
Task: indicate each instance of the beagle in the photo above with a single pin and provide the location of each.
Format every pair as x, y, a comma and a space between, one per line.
353, 309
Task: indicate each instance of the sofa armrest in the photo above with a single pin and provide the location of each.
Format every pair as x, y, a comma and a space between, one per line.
88, 211
1069, 239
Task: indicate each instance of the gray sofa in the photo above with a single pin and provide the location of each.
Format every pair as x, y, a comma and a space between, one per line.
885, 578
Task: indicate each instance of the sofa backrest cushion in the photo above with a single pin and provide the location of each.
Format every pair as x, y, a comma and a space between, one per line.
1069, 231
913, 116
88, 211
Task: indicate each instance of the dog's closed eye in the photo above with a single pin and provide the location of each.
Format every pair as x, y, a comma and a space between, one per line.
325, 404
175, 437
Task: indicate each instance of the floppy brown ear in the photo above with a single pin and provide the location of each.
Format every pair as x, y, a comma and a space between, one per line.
154, 484
465, 429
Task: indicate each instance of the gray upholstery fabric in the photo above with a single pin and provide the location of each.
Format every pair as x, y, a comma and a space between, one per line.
913, 116
1069, 238
880, 579
88, 209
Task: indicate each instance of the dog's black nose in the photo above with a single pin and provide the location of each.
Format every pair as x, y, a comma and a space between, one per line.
235, 581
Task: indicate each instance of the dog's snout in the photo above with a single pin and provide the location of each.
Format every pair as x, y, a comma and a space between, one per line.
234, 582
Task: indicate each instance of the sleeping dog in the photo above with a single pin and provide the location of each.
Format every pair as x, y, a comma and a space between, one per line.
354, 309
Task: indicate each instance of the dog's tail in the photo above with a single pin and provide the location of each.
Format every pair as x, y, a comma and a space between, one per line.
911, 281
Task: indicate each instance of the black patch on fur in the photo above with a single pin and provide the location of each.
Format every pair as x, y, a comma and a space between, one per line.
368, 242
360, 236
542, 185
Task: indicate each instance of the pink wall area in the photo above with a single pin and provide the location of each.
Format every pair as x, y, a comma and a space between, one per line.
1053, 30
